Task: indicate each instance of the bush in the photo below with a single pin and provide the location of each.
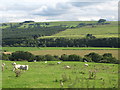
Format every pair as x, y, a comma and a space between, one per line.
88, 59
107, 55
64, 57
50, 58
109, 58
94, 56
5, 57
74, 58
21, 55
39, 58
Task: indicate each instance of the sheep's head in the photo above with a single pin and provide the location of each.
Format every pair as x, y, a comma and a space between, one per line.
3, 64
14, 63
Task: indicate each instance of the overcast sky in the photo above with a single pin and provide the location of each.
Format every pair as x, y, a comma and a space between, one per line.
58, 10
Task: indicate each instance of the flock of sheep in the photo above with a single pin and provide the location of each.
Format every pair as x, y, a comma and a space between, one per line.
25, 67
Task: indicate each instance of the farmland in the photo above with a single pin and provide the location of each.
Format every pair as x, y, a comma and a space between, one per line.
98, 31
57, 34
48, 75
35, 37
65, 30
63, 50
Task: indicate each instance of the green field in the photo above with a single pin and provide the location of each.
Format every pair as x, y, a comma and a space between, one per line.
12, 49
99, 31
48, 75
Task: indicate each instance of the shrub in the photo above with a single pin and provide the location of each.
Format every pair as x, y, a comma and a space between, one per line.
88, 59
39, 58
74, 58
64, 57
50, 58
21, 55
107, 57
5, 57
94, 56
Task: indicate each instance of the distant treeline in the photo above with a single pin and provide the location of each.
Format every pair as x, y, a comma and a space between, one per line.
62, 42
30, 31
91, 57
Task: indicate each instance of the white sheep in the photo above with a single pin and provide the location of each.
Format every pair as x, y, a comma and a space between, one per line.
45, 61
86, 65
59, 62
3, 66
18, 66
67, 67
85, 61
34, 61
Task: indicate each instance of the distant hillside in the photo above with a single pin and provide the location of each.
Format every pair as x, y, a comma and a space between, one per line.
61, 34
30, 29
70, 29
107, 30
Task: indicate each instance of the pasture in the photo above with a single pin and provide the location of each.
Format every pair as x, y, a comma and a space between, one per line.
99, 31
49, 75
63, 50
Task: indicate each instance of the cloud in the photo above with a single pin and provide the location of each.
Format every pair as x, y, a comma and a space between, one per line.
61, 10
46, 10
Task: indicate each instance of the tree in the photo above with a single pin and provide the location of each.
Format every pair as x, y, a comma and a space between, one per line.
101, 20
90, 36
107, 55
21, 55
94, 56
64, 57
5, 57
109, 58
50, 58
39, 58
74, 58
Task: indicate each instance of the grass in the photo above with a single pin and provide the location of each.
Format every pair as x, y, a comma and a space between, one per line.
100, 31
42, 75
12, 49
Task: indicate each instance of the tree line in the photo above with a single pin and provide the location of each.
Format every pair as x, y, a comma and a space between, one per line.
63, 42
91, 57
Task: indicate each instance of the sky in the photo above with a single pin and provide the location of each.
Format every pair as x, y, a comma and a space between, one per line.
58, 10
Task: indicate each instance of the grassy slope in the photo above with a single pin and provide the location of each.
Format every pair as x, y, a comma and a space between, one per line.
98, 31
41, 75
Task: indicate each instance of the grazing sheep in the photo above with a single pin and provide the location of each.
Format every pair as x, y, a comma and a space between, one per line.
59, 62
45, 61
18, 66
3, 66
86, 65
34, 61
85, 61
61, 83
67, 67
14, 63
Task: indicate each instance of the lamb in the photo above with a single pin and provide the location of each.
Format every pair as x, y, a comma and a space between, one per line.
18, 66
3, 66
